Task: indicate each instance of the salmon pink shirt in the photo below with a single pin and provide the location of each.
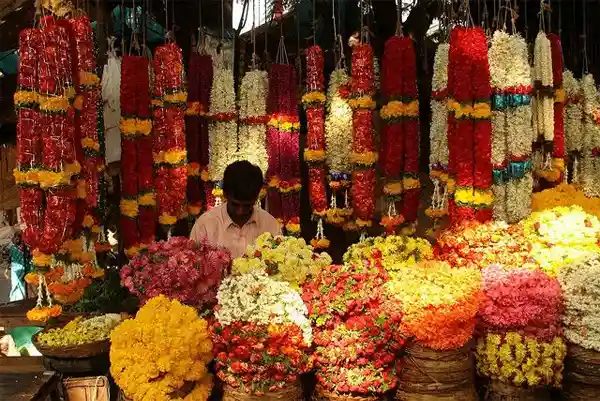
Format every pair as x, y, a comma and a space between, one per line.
219, 229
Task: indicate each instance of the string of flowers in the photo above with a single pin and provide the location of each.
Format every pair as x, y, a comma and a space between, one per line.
205, 69
315, 151
590, 145
283, 174
543, 104
573, 123
193, 114
393, 136
364, 149
170, 155
558, 144
338, 138
471, 127
511, 127
222, 133
438, 156
253, 119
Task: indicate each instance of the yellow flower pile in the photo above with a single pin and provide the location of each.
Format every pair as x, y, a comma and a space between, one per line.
287, 259
520, 361
164, 349
565, 195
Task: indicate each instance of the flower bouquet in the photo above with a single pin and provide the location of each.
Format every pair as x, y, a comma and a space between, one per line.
261, 336
162, 354
179, 269
284, 258
355, 330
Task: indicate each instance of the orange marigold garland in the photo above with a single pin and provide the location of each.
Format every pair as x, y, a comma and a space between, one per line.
170, 155
364, 150
314, 154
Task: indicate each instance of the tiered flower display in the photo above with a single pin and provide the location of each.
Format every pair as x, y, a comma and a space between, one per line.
364, 147
162, 354
315, 152
512, 134
262, 334
521, 340
170, 155
400, 135
138, 218
179, 269
338, 137
283, 148
438, 156
196, 128
470, 127
287, 259
439, 303
573, 123
356, 334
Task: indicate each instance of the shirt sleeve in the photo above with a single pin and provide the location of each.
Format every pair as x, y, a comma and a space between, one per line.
199, 231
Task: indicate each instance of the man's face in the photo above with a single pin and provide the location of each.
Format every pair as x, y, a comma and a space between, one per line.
240, 211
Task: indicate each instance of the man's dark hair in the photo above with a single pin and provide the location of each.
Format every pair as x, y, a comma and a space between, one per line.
242, 181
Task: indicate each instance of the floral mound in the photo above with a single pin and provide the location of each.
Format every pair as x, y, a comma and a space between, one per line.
581, 286
356, 334
262, 335
394, 251
162, 353
565, 195
439, 303
284, 258
180, 269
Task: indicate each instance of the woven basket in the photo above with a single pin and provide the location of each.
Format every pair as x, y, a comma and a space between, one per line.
582, 374
72, 352
291, 392
323, 395
430, 375
498, 391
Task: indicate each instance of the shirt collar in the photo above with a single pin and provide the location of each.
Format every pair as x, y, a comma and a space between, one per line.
227, 219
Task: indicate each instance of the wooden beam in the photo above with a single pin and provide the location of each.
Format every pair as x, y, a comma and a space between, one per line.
11, 6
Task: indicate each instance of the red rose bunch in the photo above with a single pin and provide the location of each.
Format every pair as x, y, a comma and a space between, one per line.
180, 269
258, 358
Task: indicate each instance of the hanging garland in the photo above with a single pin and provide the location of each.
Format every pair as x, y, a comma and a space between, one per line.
438, 156
556, 174
170, 155
590, 145
338, 139
364, 149
400, 136
315, 152
471, 131
512, 134
283, 148
193, 114
573, 123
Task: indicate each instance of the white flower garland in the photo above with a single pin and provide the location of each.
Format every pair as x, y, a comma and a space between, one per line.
222, 135
253, 105
338, 124
573, 122
543, 104
439, 108
256, 298
590, 167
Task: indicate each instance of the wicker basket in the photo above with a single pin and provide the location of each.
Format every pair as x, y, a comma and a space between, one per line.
498, 391
430, 375
323, 395
291, 392
72, 352
582, 374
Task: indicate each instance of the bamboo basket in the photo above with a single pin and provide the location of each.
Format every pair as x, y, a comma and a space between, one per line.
498, 391
430, 375
72, 352
582, 374
291, 392
323, 395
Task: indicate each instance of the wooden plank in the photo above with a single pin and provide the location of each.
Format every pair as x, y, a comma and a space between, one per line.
21, 364
28, 386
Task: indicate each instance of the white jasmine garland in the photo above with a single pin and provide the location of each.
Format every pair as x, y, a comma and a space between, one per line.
439, 81
254, 297
542, 74
338, 125
590, 166
439, 110
573, 112
222, 135
253, 104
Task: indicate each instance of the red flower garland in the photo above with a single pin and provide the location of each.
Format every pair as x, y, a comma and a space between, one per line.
194, 113
205, 70
559, 104
364, 150
169, 134
283, 148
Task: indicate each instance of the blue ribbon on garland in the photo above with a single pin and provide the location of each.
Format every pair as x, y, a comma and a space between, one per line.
502, 102
514, 171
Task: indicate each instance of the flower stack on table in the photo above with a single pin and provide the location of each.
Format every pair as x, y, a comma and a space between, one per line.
356, 336
439, 306
520, 349
180, 269
580, 283
262, 338
162, 354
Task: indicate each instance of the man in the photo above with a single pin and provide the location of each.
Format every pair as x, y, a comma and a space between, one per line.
238, 222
